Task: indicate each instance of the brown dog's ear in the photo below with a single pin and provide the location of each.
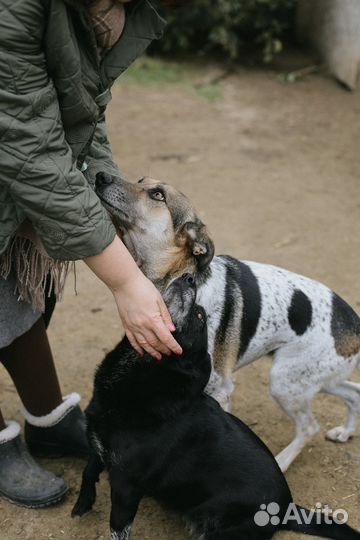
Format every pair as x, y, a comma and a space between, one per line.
199, 243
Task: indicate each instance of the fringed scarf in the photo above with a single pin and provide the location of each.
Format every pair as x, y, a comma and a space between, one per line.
34, 270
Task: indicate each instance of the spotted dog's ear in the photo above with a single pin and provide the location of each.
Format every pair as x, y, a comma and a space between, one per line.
199, 243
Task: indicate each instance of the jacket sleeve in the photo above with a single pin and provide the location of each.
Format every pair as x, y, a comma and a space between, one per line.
37, 170
100, 156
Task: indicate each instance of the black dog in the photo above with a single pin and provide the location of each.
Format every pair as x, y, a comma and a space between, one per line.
157, 433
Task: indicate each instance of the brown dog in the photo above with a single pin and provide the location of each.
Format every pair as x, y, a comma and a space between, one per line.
159, 227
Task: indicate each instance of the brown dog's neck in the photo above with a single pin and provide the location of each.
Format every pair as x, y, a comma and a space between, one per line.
172, 263
176, 268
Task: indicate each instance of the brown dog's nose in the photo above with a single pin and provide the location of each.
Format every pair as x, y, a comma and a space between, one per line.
103, 179
189, 278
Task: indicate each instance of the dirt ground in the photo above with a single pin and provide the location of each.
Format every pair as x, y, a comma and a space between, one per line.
272, 169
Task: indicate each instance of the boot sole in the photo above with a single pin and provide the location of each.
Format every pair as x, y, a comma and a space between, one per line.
23, 504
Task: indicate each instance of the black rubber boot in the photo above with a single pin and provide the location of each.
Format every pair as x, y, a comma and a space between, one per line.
67, 437
22, 480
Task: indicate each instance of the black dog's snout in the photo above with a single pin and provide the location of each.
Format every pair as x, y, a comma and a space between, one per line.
188, 278
103, 179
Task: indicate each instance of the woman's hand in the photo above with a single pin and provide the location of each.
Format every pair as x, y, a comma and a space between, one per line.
145, 317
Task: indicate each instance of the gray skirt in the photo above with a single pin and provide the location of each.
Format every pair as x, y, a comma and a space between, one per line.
16, 317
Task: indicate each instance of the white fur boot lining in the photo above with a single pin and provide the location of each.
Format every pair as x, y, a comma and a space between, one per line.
11, 431
55, 416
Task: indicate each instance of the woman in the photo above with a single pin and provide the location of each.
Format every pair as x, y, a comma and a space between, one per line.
58, 60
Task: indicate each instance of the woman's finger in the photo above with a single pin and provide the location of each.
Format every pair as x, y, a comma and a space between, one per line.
154, 342
143, 342
165, 315
134, 343
164, 335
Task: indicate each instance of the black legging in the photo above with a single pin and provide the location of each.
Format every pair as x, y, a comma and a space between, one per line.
50, 302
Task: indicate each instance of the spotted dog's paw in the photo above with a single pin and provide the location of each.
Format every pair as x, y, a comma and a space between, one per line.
338, 434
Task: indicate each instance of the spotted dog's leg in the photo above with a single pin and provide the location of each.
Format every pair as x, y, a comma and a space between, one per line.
87, 494
350, 393
220, 389
124, 505
226, 391
220, 385
294, 395
306, 428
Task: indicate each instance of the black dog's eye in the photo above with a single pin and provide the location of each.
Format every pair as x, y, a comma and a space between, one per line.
157, 195
199, 315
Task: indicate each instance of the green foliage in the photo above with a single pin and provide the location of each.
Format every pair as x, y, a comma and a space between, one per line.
161, 72
225, 26
146, 71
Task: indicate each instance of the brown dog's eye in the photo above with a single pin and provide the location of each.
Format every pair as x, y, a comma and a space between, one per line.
157, 195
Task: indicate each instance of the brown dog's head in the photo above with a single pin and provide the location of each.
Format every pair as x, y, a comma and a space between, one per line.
158, 225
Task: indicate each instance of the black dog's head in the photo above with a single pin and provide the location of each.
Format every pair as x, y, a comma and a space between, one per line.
145, 387
189, 318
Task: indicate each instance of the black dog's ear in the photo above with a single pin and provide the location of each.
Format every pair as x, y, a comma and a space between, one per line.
199, 243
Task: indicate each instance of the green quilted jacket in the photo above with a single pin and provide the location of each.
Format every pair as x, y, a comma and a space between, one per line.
53, 94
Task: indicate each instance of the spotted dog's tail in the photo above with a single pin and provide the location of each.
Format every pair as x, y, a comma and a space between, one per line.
328, 529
